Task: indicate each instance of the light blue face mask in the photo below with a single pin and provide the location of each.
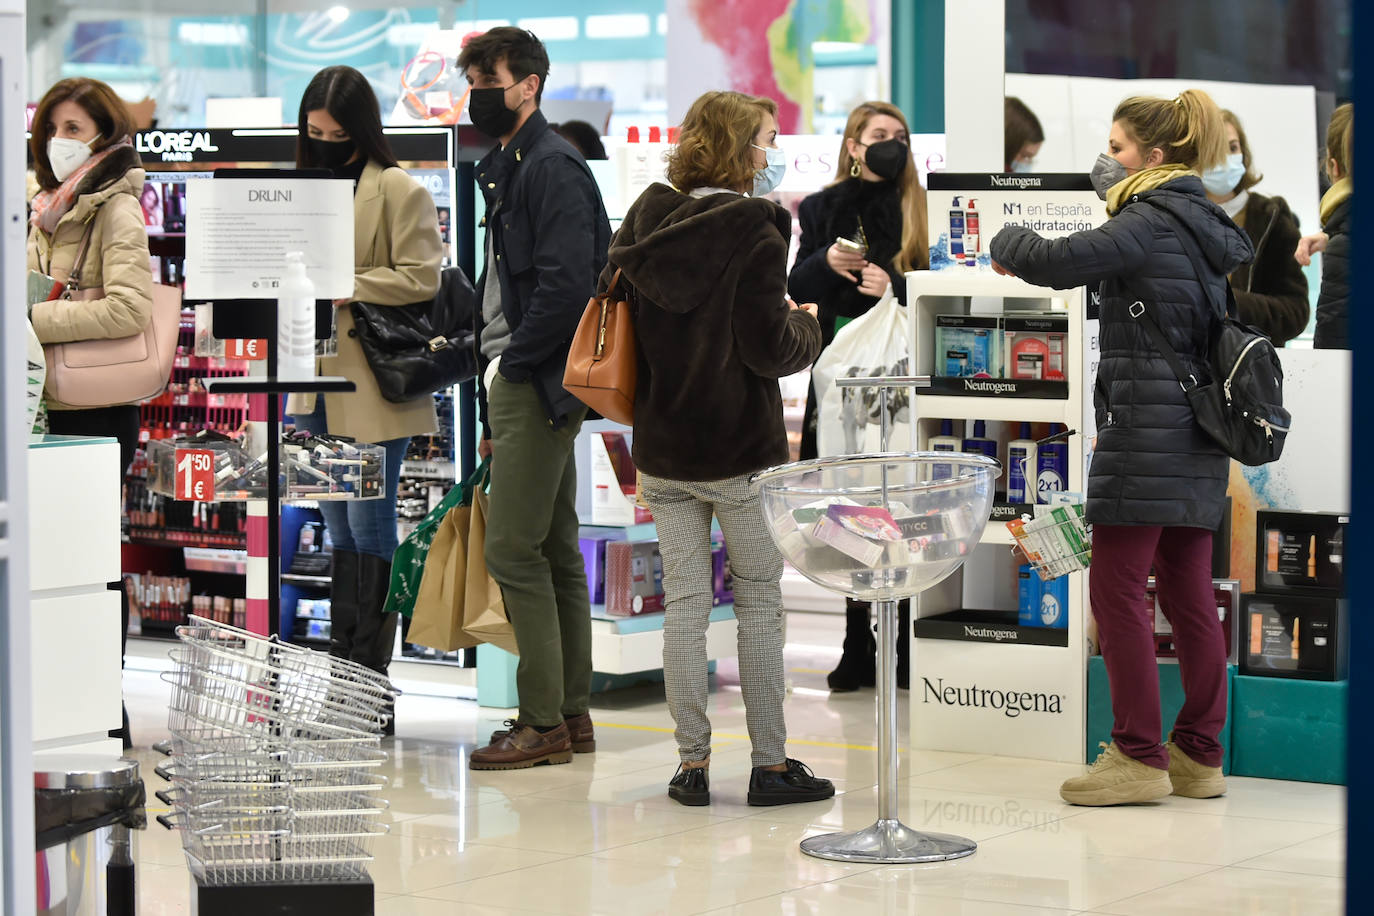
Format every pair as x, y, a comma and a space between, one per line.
1023, 165
1222, 179
770, 176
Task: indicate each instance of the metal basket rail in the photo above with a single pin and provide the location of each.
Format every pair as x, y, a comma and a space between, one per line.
252, 708
220, 857
1055, 543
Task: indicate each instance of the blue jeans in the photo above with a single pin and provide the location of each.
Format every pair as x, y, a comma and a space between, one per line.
362, 525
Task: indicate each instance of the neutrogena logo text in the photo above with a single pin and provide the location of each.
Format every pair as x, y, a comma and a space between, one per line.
975, 384
1011, 702
994, 633
1014, 181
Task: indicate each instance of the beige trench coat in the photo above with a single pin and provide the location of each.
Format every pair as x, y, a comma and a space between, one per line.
397, 253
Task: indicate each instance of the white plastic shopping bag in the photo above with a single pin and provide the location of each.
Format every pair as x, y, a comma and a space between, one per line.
875, 344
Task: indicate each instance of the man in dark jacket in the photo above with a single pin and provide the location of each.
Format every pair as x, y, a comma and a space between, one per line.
547, 236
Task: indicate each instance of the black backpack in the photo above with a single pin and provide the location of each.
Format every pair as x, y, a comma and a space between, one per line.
1241, 406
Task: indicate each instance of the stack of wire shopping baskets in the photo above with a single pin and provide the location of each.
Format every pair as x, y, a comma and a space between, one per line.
275, 752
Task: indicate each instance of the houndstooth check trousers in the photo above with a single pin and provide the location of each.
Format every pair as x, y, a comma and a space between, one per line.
682, 513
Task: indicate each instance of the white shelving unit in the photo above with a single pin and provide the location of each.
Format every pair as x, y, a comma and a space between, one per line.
994, 692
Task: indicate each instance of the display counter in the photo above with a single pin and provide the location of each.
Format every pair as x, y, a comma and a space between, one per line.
74, 500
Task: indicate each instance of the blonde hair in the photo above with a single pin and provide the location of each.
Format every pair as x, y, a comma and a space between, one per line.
1187, 129
915, 251
715, 144
1340, 137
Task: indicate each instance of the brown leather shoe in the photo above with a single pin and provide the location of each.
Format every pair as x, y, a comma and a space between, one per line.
524, 746
580, 732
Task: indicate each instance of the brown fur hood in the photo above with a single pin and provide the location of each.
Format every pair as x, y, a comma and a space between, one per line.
667, 227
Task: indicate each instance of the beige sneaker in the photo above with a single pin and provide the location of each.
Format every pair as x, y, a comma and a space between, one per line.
1115, 779
1192, 779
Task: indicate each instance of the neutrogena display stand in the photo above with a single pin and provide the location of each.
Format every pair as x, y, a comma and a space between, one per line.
880, 528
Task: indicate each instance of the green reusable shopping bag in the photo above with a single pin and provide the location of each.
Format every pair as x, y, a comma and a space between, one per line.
408, 562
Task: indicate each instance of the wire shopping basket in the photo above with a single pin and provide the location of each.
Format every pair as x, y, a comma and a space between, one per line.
1056, 542
274, 758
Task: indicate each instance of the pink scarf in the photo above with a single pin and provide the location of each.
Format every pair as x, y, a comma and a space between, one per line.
50, 206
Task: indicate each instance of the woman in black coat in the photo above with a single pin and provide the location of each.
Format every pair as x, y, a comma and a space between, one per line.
1271, 291
1157, 483
877, 202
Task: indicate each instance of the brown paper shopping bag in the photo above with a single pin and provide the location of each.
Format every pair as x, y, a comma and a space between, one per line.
437, 621
484, 611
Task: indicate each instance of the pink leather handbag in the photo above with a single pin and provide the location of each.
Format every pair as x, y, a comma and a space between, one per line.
102, 373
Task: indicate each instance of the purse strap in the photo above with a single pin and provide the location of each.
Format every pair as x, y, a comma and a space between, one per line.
79, 264
1186, 379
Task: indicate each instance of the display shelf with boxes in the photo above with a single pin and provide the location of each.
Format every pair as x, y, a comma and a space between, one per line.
988, 633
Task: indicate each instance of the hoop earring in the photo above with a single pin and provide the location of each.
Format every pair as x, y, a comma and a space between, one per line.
853, 168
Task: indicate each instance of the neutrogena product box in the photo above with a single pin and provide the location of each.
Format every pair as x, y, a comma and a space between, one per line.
1035, 347
968, 346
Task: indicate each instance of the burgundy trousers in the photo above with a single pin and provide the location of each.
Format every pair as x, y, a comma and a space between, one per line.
1182, 561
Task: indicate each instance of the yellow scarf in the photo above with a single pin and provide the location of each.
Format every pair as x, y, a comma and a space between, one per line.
1335, 195
1144, 180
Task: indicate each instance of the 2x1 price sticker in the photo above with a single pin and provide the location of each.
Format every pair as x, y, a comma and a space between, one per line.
195, 477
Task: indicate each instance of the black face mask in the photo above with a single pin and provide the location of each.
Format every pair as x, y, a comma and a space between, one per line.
888, 159
487, 108
331, 154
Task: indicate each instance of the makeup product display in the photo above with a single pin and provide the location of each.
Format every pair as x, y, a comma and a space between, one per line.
1295, 636
968, 346
213, 468
1300, 553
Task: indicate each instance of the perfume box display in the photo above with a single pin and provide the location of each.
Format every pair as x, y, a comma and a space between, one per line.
1300, 553
1294, 636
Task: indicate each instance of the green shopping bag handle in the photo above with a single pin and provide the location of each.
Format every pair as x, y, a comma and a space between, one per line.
478, 479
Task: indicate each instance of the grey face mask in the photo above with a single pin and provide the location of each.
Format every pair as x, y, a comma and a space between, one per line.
1106, 173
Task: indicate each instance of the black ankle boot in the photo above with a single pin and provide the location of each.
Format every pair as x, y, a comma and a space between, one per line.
857, 664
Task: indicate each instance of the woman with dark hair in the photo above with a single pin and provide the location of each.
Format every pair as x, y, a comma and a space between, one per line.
877, 201
397, 253
1022, 136
708, 264
1271, 291
583, 137
91, 178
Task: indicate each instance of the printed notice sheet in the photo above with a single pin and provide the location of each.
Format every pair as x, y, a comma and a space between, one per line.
238, 231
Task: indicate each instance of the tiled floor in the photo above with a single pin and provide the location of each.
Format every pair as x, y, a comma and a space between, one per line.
600, 836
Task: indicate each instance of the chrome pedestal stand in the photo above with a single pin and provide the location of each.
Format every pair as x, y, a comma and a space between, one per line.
887, 841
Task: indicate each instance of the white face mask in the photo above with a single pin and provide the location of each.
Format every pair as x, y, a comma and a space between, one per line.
768, 178
66, 155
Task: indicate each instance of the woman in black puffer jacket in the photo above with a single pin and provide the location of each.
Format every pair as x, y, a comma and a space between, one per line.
1157, 484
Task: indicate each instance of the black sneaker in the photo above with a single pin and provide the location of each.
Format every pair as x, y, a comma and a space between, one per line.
795, 784
690, 786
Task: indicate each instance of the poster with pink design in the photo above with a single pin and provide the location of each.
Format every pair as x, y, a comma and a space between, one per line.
766, 48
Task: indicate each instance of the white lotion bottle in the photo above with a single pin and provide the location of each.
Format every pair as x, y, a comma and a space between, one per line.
296, 322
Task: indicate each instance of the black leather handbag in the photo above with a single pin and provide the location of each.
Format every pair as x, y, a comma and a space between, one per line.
416, 350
